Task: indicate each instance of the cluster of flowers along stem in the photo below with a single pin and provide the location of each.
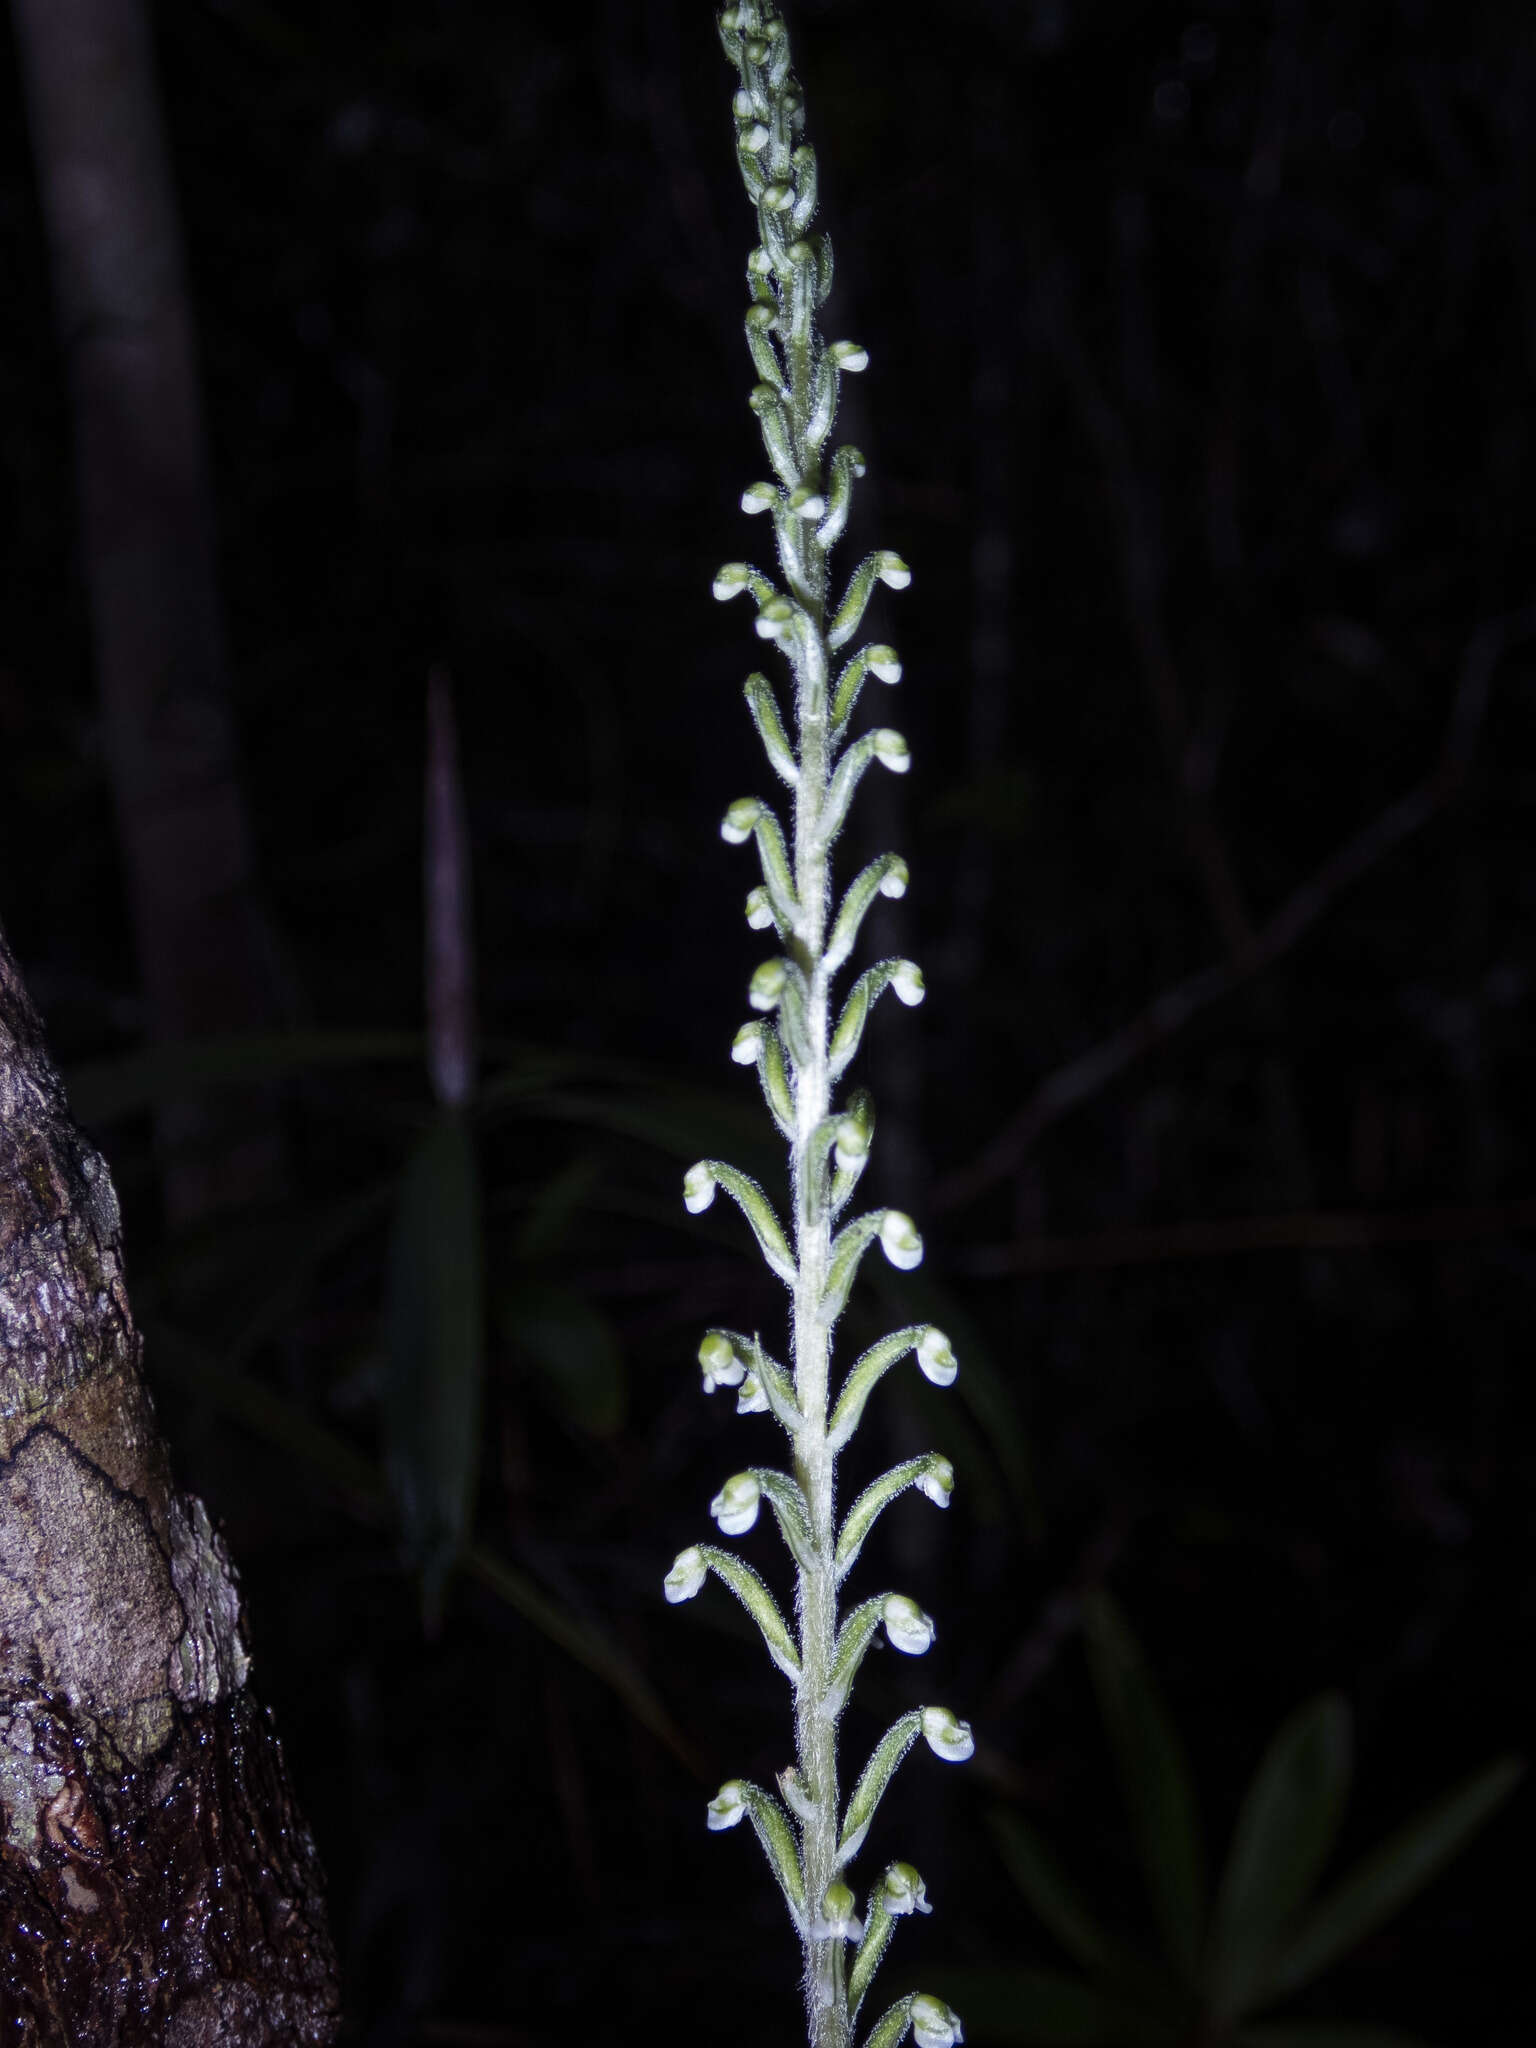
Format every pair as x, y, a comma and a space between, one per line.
800, 1055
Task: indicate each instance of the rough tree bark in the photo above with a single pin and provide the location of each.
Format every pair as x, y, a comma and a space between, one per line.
125, 325
158, 1887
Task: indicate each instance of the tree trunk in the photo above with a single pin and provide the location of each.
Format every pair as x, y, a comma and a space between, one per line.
204, 948
157, 1883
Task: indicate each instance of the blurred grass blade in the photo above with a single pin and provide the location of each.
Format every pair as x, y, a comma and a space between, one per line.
1031, 1864
1289, 1820
1154, 1778
1040, 2009
450, 941
126, 1086
288, 1429
571, 1347
982, 1385
1324, 2034
433, 1334
1390, 1875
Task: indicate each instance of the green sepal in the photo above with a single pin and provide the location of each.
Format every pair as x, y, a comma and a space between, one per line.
861, 1107
891, 2027
877, 1774
764, 707
861, 1517
758, 1210
867, 1372
846, 467
777, 874
790, 1512
879, 1926
761, 349
845, 693
848, 1036
849, 615
853, 1640
774, 1076
771, 1824
848, 1248
776, 1384
857, 900
825, 385
846, 778
804, 161
774, 422
759, 1603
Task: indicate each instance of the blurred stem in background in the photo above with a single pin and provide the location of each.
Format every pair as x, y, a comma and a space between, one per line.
205, 953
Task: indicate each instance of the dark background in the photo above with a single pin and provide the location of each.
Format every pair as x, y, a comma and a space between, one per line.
1202, 346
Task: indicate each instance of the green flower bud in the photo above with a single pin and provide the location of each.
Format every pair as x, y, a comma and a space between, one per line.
766, 989
737, 824
907, 1627
936, 1480
892, 751
904, 1891
735, 1506
698, 1189
933, 2024
935, 1357
745, 1047
687, 1575
721, 1366
899, 1240
849, 356
947, 1736
728, 1806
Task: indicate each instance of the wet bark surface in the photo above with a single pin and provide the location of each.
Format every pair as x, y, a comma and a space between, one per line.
157, 1884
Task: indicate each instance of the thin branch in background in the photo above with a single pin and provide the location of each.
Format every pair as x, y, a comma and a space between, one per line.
1091, 1071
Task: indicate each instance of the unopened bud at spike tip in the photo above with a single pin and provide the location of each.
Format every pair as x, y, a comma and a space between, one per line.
899, 1240
687, 1575
936, 1358
907, 1627
947, 1736
735, 1506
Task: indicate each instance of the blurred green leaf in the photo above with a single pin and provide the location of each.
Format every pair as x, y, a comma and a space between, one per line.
136, 1081
554, 1207
1154, 1778
1389, 1876
1324, 2034
1288, 1823
281, 1423
1040, 2009
982, 1384
572, 1348
1032, 1865
433, 1337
